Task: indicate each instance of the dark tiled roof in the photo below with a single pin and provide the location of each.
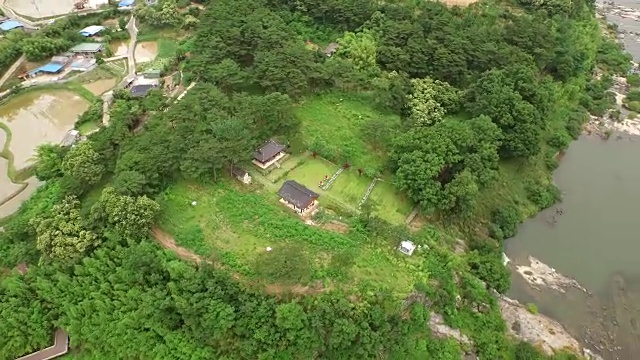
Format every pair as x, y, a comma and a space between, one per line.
141, 90
297, 194
238, 171
267, 151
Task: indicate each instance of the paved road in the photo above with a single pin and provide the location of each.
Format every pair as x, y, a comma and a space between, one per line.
12, 69
131, 53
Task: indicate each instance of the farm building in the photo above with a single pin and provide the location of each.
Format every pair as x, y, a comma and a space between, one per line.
241, 174
83, 64
91, 30
297, 197
268, 154
151, 74
10, 25
331, 49
55, 66
141, 90
87, 49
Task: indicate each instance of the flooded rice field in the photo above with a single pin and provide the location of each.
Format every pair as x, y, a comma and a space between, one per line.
39, 117
101, 86
119, 48
41, 8
146, 51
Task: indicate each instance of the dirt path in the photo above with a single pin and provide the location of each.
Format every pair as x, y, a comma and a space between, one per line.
12, 69
168, 242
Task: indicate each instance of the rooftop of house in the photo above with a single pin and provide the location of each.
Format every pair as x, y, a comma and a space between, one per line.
297, 194
60, 59
124, 3
141, 90
87, 47
268, 151
50, 68
10, 25
236, 171
91, 30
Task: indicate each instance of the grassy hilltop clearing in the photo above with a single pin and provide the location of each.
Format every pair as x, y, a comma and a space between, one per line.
405, 120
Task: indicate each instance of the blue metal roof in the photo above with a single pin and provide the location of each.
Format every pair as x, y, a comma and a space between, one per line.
10, 25
51, 68
126, 3
91, 30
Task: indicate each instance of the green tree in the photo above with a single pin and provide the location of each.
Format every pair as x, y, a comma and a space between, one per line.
130, 217
360, 49
49, 162
62, 234
82, 164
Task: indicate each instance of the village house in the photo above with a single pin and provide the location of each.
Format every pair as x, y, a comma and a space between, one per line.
91, 30
9, 25
298, 198
87, 49
268, 154
141, 90
241, 174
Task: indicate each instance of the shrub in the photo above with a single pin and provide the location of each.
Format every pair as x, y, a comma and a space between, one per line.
633, 80
551, 160
543, 196
532, 308
559, 140
507, 219
495, 232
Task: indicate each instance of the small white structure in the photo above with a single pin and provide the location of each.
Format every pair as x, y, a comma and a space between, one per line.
241, 175
407, 247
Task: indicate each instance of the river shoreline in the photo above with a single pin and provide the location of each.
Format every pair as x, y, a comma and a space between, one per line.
602, 311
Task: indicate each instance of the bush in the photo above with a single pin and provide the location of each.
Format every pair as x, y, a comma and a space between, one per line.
495, 232
507, 219
532, 308
633, 80
551, 159
543, 196
559, 140
574, 123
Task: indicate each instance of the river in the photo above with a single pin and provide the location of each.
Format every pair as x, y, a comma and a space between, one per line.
592, 237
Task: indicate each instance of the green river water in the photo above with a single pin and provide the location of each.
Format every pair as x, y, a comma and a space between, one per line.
594, 240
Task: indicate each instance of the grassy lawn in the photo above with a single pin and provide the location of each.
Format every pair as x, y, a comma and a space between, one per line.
389, 203
332, 125
87, 127
346, 191
234, 224
286, 165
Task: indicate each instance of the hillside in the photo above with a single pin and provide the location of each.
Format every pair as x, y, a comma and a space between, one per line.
454, 114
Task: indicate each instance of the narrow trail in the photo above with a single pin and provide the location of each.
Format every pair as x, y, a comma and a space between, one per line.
168, 242
12, 69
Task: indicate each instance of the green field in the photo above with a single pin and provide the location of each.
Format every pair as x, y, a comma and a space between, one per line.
332, 125
346, 191
234, 225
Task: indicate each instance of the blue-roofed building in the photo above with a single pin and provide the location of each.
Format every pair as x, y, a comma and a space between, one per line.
91, 30
10, 25
126, 3
55, 66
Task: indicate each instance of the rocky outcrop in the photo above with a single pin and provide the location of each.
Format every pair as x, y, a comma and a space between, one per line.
539, 274
544, 332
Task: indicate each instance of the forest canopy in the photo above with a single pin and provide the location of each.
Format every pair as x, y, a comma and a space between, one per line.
471, 89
